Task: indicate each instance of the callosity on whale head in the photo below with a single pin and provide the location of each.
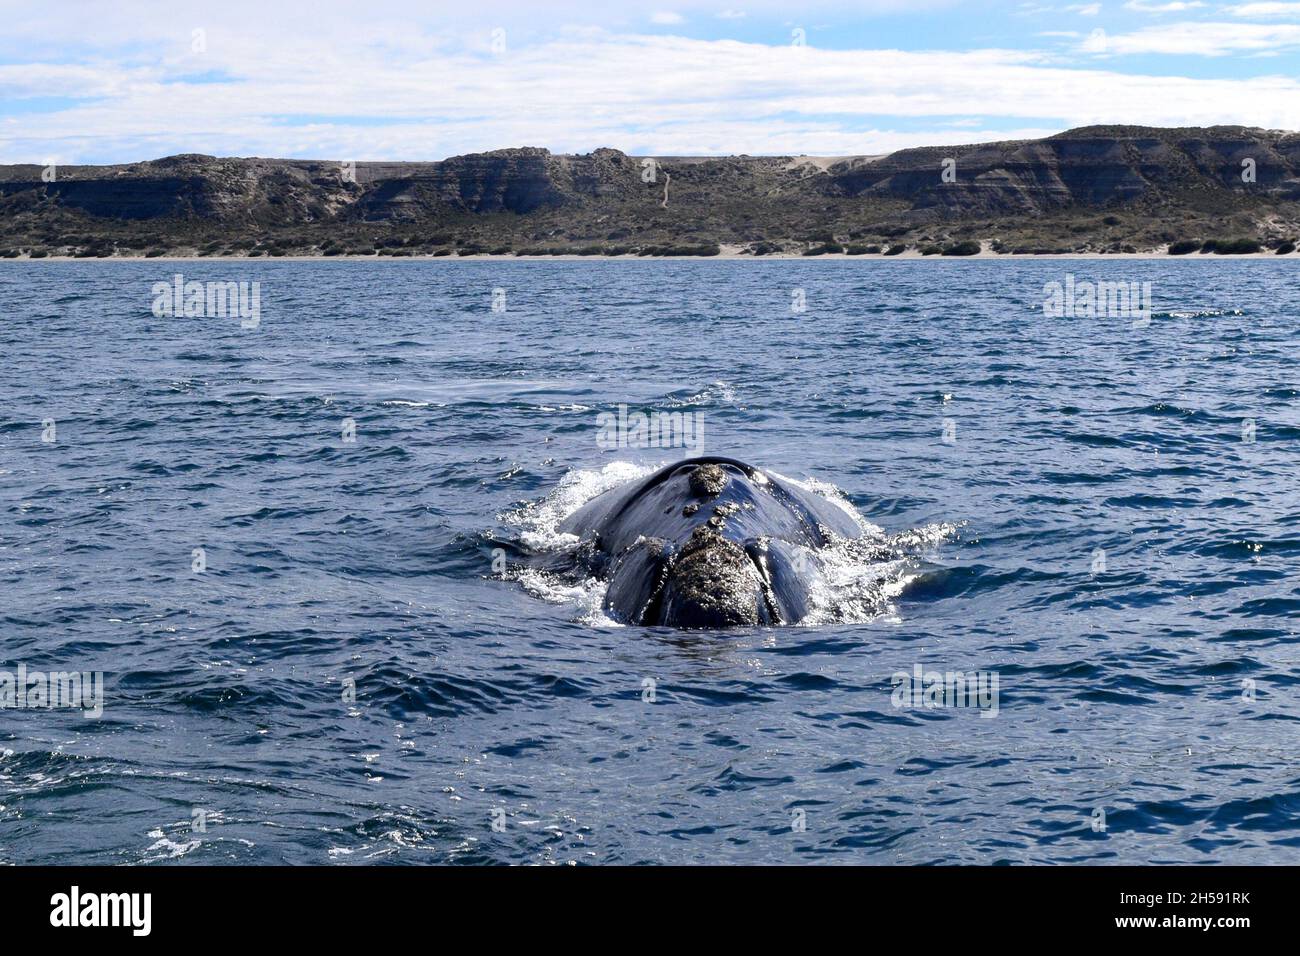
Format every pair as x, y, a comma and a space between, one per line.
707, 543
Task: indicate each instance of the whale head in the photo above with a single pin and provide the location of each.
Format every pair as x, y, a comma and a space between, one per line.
713, 582
706, 543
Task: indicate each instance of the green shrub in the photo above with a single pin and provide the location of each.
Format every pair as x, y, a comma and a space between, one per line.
1236, 247
897, 249
1286, 248
967, 248
861, 250
704, 249
39, 253
1183, 247
931, 250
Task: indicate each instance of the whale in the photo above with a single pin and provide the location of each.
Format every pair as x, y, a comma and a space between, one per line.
707, 543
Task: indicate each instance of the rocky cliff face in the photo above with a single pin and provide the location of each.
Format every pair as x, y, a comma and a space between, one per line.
1086, 167
515, 197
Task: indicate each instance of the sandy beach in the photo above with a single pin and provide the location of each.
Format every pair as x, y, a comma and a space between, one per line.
729, 255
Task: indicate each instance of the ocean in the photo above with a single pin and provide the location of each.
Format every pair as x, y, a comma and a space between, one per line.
275, 529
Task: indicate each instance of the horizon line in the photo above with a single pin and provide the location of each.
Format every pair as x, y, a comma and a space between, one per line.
663, 156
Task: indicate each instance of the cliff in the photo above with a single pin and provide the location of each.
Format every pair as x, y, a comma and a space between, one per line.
1094, 189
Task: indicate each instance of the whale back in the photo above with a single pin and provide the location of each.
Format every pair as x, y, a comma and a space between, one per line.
670, 505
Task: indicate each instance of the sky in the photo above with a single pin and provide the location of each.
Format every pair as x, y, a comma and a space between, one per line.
351, 81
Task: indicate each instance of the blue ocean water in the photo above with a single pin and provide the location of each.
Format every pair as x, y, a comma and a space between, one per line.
1102, 513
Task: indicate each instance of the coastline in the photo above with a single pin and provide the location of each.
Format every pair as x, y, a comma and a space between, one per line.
909, 256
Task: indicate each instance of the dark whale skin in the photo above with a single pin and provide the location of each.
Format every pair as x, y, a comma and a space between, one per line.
706, 542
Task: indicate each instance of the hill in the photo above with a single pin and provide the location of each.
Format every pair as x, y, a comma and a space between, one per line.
1097, 189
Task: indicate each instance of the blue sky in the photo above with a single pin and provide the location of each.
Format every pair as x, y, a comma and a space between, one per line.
101, 83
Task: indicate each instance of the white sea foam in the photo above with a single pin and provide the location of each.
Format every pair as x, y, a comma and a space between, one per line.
716, 393
861, 578
587, 596
539, 522
538, 525
165, 848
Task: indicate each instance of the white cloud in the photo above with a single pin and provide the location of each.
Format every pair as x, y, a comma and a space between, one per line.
378, 89
1200, 39
1266, 11
1096, 42
666, 18
1176, 6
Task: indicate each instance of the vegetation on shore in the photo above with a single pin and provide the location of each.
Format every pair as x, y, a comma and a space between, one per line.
274, 248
